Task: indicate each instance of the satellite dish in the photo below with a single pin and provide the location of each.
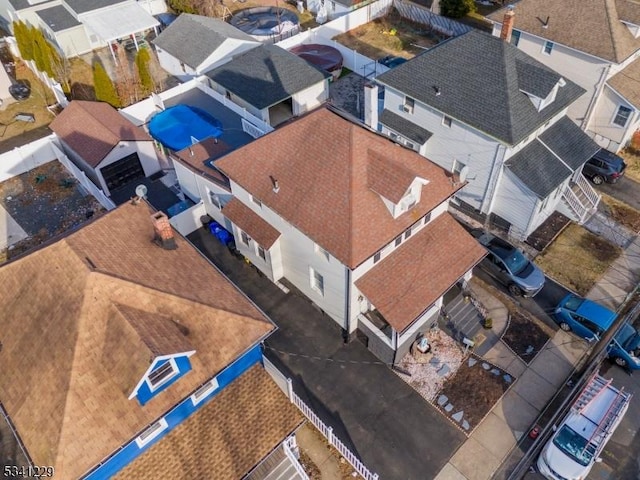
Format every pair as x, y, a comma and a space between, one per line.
464, 172
141, 191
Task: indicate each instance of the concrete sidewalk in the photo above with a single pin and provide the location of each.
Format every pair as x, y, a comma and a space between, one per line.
512, 417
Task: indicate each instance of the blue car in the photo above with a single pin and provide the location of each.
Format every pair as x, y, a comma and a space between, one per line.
583, 317
624, 349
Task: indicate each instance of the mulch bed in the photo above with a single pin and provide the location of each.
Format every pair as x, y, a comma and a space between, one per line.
548, 231
472, 392
524, 337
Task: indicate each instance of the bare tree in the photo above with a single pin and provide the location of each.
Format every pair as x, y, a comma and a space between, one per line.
127, 81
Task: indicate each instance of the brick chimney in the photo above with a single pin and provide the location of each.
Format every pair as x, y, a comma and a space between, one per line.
163, 231
507, 24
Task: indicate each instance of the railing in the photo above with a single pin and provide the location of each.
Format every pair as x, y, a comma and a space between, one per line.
588, 190
574, 203
326, 430
292, 458
251, 129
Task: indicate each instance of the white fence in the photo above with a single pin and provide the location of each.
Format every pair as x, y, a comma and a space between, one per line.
83, 179
424, 16
189, 220
25, 158
287, 387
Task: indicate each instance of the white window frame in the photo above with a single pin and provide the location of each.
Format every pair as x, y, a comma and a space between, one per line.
407, 233
427, 218
244, 238
377, 256
204, 391
151, 432
261, 252
321, 251
547, 46
175, 371
515, 37
615, 116
447, 121
214, 199
256, 201
316, 285
408, 104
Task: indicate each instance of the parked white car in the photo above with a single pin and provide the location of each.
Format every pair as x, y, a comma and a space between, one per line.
578, 441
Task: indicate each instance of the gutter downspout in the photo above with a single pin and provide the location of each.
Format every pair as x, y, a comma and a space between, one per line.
347, 332
490, 191
594, 100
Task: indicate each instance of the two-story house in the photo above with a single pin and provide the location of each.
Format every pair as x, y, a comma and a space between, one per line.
594, 43
126, 354
479, 107
354, 221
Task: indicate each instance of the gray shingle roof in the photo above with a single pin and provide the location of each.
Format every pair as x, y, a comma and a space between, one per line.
58, 18
538, 168
404, 127
84, 6
266, 75
20, 4
479, 83
569, 143
535, 80
178, 39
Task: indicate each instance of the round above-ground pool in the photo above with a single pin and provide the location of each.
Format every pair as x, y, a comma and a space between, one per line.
322, 56
183, 125
265, 21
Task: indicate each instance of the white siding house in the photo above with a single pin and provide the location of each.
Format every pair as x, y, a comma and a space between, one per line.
594, 44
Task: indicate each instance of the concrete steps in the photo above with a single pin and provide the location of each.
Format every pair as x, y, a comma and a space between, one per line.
284, 471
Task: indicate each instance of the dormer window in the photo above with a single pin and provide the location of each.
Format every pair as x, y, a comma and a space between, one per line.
162, 374
408, 202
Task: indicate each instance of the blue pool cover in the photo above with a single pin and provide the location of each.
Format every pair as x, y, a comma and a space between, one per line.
183, 125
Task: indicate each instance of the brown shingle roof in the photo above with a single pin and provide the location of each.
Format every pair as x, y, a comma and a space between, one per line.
321, 163
93, 129
69, 357
387, 178
412, 278
591, 26
627, 82
251, 222
225, 438
203, 152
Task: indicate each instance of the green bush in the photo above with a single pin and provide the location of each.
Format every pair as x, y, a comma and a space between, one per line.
456, 8
105, 89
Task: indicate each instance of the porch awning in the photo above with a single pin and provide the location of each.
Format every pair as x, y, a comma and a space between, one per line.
119, 21
413, 277
569, 142
404, 127
251, 223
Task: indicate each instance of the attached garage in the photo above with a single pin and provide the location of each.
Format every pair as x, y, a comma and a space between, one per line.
123, 171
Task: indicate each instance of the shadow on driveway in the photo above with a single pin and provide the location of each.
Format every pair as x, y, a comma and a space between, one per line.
385, 422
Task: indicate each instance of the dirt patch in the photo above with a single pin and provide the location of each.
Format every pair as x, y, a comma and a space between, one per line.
389, 35
548, 231
524, 337
622, 213
333, 465
472, 392
46, 202
632, 159
313, 472
578, 258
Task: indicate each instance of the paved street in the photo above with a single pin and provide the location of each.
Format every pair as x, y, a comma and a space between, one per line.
626, 190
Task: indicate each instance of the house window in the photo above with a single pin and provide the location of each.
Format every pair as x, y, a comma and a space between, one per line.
376, 257
215, 200
184, 70
244, 238
408, 104
317, 281
152, 432
204, 391
548, 47
622, 116
261, 253
322, 252
515, 38
256, 201
543, 205
398, 240
407, 234
227, 94
446, 121
162, 374
427, 218
409, 145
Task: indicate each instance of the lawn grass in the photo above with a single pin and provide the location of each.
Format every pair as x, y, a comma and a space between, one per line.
81, 75
622, 213
578, 258
388, 35
632, 159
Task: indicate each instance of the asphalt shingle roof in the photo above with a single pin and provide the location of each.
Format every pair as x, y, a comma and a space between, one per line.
479, 79
590, 26
178, 38
627, 83
84, 6
404, 127
569, 143
538, 168
266, 75
58, 18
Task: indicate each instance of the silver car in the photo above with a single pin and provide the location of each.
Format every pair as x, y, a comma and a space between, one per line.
509, 266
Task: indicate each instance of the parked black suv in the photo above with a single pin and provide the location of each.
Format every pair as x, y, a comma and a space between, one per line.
604, 167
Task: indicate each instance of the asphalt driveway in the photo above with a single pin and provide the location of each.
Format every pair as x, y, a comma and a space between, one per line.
626, 190
385, 422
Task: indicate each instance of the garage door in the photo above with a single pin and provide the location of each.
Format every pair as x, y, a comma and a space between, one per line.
122, 172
